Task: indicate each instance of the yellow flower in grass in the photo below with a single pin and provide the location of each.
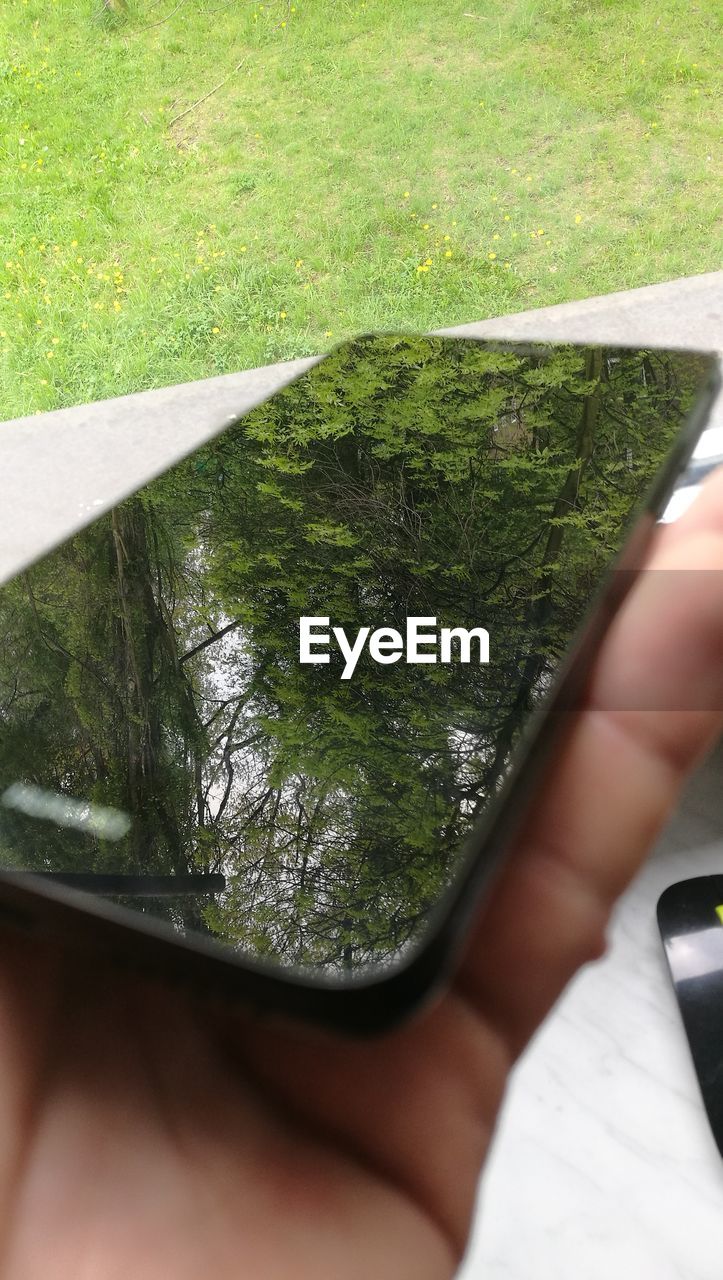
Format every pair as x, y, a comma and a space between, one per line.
491, 256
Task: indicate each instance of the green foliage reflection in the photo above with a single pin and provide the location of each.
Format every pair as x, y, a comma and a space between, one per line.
152, 664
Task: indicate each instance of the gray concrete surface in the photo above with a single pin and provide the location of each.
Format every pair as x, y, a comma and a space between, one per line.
62, 468
684, 313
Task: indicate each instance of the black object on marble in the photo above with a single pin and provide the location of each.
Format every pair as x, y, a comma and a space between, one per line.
690, 918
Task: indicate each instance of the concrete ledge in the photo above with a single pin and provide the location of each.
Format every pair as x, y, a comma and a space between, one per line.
62, 468
687, 314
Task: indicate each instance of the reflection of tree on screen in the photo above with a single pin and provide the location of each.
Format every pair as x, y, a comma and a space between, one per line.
152, 664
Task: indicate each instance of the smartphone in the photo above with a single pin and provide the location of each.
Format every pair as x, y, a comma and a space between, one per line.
268, 726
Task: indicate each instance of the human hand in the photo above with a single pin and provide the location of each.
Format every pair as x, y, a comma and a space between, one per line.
142, 1135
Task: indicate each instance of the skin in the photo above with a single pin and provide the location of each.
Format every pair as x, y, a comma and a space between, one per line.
144, 1135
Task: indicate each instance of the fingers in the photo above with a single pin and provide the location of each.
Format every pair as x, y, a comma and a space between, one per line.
654, 707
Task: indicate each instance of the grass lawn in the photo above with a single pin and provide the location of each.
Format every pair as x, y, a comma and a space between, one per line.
393, 163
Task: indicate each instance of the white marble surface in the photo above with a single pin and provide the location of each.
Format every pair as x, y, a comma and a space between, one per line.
603, 1164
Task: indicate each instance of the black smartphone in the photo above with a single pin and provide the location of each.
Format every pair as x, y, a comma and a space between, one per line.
269, 724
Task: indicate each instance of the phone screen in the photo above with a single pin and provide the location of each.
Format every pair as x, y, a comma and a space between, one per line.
266, 698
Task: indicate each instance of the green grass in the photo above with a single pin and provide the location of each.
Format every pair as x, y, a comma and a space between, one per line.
358, 143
